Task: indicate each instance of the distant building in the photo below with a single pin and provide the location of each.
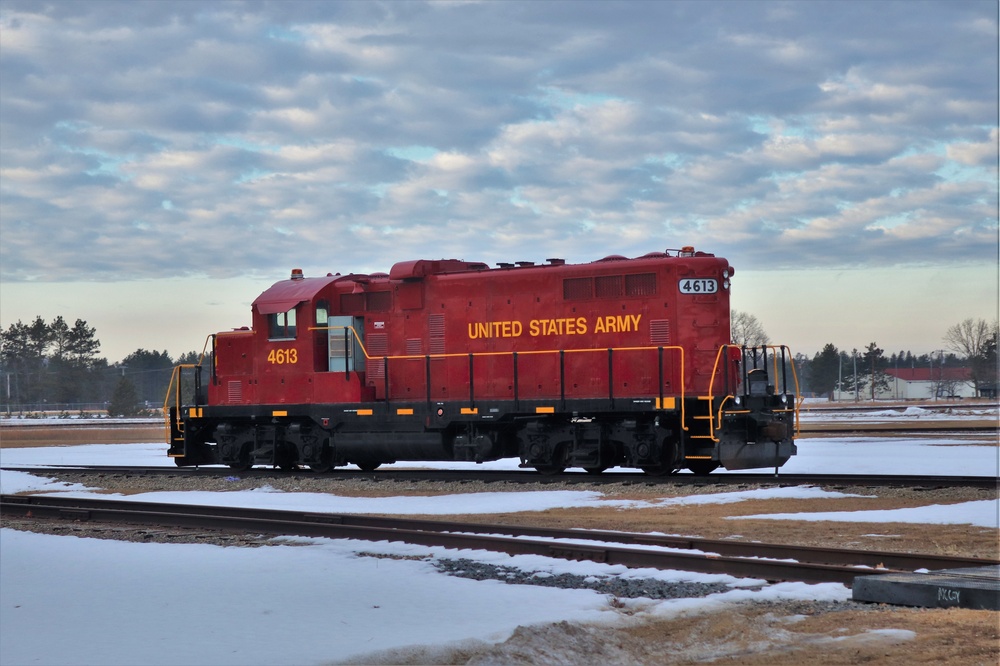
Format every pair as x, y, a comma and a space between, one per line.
925, 383
929, 383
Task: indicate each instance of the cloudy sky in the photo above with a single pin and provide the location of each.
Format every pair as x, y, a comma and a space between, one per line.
163, 162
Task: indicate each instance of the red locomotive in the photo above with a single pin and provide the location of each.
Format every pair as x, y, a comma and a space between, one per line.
617, 362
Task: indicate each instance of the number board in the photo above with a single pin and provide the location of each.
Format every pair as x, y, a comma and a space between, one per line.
698, 286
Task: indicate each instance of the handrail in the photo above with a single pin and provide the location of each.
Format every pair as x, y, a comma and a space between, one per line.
795, 379
797, 403
711, 392
514, 354
175, 386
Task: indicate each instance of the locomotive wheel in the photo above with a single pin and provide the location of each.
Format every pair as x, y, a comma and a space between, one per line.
703, 467
549, 470
368, 466
659, 470
321, 468
240, 466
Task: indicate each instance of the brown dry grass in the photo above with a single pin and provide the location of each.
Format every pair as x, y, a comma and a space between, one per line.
15, 437
716, 522
759, 636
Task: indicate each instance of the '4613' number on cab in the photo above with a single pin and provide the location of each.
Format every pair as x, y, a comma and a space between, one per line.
283, 356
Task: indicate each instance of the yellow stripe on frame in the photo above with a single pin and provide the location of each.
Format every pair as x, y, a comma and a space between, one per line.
279, 412
404, 411
470, 410
666, 403
698, 457
365, 412
545, 410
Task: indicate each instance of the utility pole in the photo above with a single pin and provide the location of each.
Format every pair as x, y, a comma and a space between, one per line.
872, 371
935, 386
840, 374
854, 356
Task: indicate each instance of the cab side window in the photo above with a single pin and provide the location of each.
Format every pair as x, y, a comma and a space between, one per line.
322, 313
281, 325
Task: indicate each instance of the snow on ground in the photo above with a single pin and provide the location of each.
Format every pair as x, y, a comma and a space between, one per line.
930, 456
315, 601
153, 454
266, 497
113, 602
981, 513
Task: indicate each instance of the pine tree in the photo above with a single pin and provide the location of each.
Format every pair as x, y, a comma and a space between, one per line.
874, 367
825, 370
124, 401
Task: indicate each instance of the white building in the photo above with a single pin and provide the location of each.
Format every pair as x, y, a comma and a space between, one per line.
919, 384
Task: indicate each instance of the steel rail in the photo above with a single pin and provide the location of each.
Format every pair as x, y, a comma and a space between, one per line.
530, 476
768, 561
810, 430
942, 405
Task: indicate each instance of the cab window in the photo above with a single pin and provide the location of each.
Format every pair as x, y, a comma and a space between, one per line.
322, 313
281, 325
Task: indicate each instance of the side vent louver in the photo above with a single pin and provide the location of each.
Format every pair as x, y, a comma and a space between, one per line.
659, 331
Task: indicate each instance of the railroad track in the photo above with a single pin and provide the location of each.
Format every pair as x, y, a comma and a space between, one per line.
21, 430
832, 427
755, 560
530, 476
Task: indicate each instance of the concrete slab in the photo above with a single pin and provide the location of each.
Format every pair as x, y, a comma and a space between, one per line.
976, 588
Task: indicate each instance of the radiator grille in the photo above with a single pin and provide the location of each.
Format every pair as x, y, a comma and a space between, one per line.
352, 302
574, 288
640, 284
610, 286
607, 286
378, 301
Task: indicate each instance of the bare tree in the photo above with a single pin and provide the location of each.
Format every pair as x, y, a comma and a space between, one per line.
976, 340
747, 330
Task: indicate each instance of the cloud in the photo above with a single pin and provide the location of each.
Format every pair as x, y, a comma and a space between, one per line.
234, 138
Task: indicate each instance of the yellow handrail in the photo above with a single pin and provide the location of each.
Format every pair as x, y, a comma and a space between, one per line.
364, 350
175, 387
774, 360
